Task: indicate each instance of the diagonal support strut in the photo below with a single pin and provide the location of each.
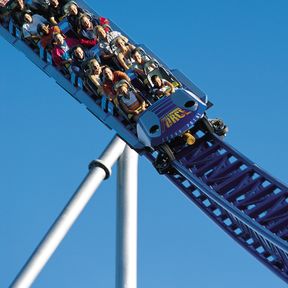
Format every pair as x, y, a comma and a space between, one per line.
99, 171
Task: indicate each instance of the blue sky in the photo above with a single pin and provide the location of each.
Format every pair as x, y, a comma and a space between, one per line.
236, 51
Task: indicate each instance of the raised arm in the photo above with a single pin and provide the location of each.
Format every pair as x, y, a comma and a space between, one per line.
121, 59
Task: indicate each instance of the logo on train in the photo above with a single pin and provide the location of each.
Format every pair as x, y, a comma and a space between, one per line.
173, 117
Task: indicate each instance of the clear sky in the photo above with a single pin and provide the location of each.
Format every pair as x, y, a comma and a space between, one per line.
236, 51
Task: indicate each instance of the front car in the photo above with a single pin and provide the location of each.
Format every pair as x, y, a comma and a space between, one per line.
170, 117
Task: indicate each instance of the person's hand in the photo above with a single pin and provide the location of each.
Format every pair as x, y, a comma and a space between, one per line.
168, 91
21, 4
159, 93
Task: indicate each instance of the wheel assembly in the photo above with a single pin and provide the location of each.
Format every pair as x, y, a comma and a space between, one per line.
164, 159
214, 126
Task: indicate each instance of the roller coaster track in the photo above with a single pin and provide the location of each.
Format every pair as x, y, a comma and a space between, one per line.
246, 202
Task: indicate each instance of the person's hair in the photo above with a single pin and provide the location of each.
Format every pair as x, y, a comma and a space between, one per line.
154, 77
91, 61
57, 33
68, 5
117, 39
98, 27
103, 77
27, 12
121, 83
76, 47
105, 67
134, 51
82, 16
54, 1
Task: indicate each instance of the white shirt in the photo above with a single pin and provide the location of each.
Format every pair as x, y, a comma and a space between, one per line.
30, 29
163, 89
132, 100
105, 45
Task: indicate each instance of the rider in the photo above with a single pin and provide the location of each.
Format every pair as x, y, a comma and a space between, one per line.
80, 57
46, 32
30, 25
110, 79
161, 87
92, 79
130, 100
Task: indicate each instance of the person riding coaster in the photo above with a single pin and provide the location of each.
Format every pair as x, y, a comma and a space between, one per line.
130, 100
161, 87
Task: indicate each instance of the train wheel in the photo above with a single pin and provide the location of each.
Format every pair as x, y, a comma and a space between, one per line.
168, 151
219, 127
164, 159
207, 125
215, 126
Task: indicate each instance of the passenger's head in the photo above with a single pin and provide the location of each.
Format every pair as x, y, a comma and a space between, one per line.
101, 33
156, 80
43, 29
85, 21
54, 3
108, 73
123, 89
137, 56
95, 67
72, 9
120, 43
27, 17
59, 38
79, 52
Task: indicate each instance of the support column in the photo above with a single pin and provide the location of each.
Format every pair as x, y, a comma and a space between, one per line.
99, 170
127, 198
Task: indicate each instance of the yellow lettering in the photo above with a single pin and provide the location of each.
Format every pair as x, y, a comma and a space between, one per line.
168, 122
174, 116
180, 114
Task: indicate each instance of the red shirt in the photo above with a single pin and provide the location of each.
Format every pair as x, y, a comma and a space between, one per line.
104, 22
47, 39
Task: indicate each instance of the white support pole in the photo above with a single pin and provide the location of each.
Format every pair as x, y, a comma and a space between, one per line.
127, 198
99, 170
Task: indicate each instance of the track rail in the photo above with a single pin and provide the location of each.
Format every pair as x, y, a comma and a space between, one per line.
245, 201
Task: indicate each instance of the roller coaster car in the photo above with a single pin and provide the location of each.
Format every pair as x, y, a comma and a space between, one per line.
166, 126
171, 117
168, 118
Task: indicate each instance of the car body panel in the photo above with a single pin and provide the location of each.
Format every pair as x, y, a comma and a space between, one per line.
169, 117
